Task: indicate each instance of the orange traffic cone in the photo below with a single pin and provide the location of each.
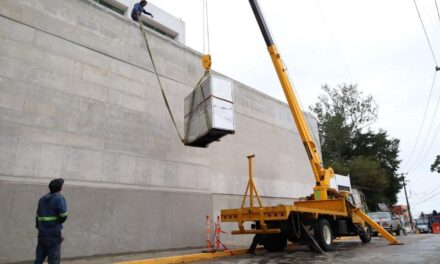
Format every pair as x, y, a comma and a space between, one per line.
209, 247
218, 232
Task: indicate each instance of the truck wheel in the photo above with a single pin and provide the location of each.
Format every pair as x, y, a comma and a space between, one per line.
275, 242
398, 231
365, 234
324, 234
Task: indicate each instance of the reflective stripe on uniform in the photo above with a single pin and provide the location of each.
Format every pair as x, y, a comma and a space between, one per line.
51, 218
63, 214
47, 218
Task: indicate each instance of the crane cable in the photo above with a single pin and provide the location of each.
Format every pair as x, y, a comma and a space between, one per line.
206, 46
206, 58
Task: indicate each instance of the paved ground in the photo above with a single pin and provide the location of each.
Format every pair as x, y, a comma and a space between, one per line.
416, 249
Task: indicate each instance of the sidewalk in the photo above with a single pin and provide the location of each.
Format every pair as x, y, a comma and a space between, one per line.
142, 256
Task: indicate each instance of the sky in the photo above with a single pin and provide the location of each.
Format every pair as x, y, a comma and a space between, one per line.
377, 44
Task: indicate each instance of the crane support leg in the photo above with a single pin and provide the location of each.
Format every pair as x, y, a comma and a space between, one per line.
373, 224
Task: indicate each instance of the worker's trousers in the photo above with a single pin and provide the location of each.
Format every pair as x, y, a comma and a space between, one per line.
50, 247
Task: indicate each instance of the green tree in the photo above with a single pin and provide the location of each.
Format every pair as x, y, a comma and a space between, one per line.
436, 165
368, 173
370, 158
341, 113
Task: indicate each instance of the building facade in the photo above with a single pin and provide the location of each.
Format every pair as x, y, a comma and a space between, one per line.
163, 23
79, 100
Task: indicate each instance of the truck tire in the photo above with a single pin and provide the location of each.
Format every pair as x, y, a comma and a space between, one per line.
275, 242
365, 234
324, 234
398, 231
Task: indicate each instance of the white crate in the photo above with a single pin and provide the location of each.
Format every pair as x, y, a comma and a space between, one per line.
209, 112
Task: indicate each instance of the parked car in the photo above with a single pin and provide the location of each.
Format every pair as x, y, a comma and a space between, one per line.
387, 221
422, 224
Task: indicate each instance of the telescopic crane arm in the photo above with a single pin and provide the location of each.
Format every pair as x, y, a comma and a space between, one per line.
322, 176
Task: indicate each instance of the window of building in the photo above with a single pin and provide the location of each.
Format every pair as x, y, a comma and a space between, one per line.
158, 30
110, 6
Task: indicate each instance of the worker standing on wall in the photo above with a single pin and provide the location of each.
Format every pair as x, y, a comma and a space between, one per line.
138, 9
51, 214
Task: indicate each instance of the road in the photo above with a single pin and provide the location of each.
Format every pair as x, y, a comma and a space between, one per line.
416, 249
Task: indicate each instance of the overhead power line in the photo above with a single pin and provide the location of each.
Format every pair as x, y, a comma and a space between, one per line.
421, 124
438, 12
416, 164
426, 34
427, 199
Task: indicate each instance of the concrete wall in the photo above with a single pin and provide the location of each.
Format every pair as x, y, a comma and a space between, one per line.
162, 20
78, 100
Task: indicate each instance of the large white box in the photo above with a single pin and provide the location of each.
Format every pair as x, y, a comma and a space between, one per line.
209, 112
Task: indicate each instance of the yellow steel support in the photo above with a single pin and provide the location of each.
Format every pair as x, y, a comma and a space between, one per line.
373, 224
322, 176
251, 186
330, 207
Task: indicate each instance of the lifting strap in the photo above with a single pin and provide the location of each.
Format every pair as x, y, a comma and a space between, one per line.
158, 80
183, 140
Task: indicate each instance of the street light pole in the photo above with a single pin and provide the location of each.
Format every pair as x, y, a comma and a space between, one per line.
407, 202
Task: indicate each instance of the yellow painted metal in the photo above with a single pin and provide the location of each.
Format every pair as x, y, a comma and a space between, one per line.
197, 256
322, 176
206, 62
188, 258
251, 186
335, 207
373, 224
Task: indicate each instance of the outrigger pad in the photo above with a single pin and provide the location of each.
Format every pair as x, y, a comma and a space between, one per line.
310, 240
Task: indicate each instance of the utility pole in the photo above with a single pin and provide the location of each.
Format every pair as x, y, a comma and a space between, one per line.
407, 202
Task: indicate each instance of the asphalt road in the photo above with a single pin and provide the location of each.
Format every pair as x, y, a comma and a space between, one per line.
416, 249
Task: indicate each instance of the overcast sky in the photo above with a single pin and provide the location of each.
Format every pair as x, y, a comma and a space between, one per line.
377, 44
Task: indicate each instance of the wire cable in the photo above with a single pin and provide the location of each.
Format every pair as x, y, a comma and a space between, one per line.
438, 12
206, 45
334, 42
427, 199
434, 138
407, 162
426, 33
416, 164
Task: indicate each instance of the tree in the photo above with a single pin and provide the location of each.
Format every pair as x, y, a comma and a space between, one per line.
370, 158
436, 165
341, 112
368, 173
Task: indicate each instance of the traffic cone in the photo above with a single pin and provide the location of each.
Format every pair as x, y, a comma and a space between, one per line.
209, 247
218, 232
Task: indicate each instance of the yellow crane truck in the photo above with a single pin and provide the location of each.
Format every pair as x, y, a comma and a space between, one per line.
315, 220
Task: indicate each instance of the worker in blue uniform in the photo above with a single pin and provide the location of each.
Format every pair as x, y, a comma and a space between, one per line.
51, 214
138, 9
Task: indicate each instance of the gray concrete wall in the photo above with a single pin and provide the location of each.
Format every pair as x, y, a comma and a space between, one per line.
78, 100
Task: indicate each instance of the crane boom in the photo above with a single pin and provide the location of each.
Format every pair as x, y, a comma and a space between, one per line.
322, 176
327, 211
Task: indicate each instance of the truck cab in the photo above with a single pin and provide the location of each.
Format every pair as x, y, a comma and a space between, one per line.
387, 221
